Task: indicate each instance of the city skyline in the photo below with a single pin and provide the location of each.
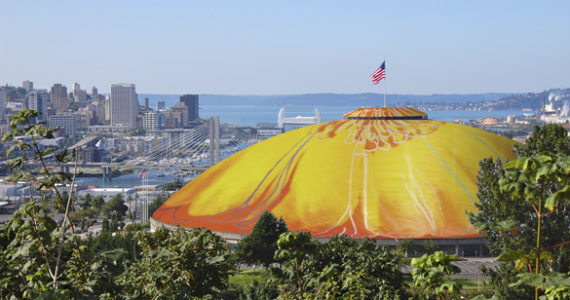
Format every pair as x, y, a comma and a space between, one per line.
258, 48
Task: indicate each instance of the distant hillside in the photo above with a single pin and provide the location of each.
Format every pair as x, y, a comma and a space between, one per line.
369, 99
497, 101
532, 100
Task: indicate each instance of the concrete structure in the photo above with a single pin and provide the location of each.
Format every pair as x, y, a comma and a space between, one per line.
176, 116
59, 99
79, 95
191, 102
297, 121
160, 105
37, 100
28, 86
98, 106
2, 104
67, 122
381, 173
153, 120
124, 105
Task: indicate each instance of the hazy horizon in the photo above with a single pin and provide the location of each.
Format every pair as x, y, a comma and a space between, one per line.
295, 47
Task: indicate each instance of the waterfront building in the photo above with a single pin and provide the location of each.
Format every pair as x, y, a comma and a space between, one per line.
67, 122
191, 102
160, 105
2, 104
59, 99
28, 86
124, 105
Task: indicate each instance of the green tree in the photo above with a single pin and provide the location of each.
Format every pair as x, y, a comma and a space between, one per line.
98, 202
260, 245
178, 265
116, 206
429, 275
544, 182
429, 246
342, 268
172, 186
407, 246
34, 248
158, 201
511, 212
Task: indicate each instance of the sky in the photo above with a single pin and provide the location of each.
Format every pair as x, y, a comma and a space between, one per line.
287, 47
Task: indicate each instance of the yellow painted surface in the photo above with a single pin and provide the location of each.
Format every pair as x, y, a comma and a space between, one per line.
364, 178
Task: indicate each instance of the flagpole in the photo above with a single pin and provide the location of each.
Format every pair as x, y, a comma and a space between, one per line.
385, 81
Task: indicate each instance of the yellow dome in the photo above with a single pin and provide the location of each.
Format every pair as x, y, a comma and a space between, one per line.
376, 174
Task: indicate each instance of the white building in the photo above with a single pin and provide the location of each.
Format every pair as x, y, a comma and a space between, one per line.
38, 100
153, 120
123, 105
65, 121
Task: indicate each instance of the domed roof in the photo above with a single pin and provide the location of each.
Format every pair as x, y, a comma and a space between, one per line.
380, 173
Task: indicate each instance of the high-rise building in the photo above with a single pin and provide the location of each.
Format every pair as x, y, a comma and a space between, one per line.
191, 102
79, 95
160, 105
2, 104
37, 100
124, 105
59, 99
146, 104
153, 120
94, 93
67, 123
176, 116
28, 86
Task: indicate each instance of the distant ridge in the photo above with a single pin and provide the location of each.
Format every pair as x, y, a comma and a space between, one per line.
324, 99
495, 100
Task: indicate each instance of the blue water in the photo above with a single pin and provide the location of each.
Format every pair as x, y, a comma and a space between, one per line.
250, 115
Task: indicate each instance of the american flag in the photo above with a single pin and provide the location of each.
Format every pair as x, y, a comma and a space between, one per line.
143, 173
379, 74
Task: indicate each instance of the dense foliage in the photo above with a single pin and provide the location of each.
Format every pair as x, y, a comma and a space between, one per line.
258, 247
524, 209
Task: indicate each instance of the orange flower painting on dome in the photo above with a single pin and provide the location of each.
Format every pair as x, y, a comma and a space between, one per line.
376, 174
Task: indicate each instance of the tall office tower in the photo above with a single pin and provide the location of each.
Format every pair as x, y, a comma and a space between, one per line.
124, 105
59, 98
94, 93
28, 86
146, 104
39, 103
2, 104
79, 95
160, 105
191, 102
107, 110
